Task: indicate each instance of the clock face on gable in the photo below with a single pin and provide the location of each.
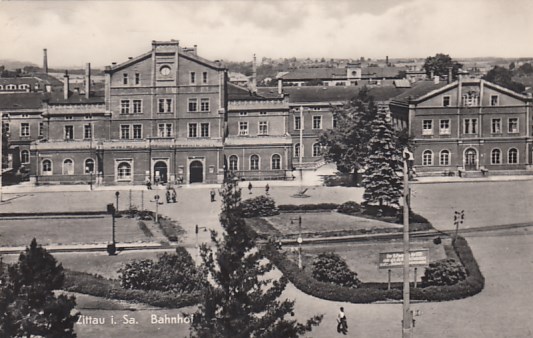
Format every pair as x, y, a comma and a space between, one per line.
165, 70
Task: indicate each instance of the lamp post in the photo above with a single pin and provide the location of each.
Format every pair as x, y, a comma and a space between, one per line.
117, 194
196, 230
111, 248
156, 198
299, 240
407, 329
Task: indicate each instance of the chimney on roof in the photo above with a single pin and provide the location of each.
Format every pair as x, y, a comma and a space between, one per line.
254, 76
45, 61
450, 74
65, 85
280, 86
87, 80
195, 49
387, 60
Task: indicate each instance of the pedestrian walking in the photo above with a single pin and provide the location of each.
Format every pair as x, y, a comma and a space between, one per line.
173, 193
148, 185
342, 324
267, 188
168, 196
212, 193
250, 187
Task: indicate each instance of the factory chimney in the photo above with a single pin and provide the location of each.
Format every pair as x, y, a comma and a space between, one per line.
45, 61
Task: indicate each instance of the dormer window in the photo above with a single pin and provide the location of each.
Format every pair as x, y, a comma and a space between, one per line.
470, 99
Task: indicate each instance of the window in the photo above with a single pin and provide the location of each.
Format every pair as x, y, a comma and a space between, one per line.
193, 77
513, 125
444, 127
445, 101
204, 130
124, 106
87, 131
243, 128
204, 105
494, 100
137, 131
512, 156
165, 105
24, 129
124, 171
316, 149
137, 78
297, 123
41, 129
297, 150
69, 132
25, 156
317, 122
89, 166
137, 106
88, 117
444, 158
254, 162
5, 128
204, 77
68, 167
164, 130
66, 117
193, 130
125, 78
470, 126
470, 99
495, 156
276, 162
427, 157
262, 113
263, 128
496, 126
125, 131
427, 127
233, 163
243, 113
46, 167
193, 105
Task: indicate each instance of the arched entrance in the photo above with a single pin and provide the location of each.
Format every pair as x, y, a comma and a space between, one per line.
470, 159
160, 172
196, 170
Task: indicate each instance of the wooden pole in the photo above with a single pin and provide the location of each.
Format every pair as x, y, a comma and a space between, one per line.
388, 284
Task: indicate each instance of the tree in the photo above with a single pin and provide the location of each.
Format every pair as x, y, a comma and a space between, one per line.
346, 145
331, 268
28, 303
503, 77
240, 301
439, 65
382, 184
525, 69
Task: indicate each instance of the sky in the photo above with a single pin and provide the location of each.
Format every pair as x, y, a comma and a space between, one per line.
101, 32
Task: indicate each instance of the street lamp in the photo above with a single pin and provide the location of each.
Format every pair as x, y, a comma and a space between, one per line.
156, 198
116, 195
407, 329
111, 248
300, 240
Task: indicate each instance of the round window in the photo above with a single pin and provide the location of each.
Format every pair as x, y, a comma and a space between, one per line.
165, 70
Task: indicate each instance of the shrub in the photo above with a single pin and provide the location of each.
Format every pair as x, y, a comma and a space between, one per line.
145, 229
443, 272
349, 208
379, 211
308, 207
413, 217
171, 229
174, 273
331, 268
260, 206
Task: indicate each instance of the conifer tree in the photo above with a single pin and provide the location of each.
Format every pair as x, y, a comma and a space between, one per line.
382, 184
241, 300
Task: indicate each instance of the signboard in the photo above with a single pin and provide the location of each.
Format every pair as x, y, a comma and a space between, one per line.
388, 260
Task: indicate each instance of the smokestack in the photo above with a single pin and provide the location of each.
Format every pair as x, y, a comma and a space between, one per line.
450, 74
387, 60
280, 86
87, 80
45, 61
65, 85
254, 76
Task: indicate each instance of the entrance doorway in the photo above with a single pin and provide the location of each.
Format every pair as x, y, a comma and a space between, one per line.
470, 159
160, 172
196, 172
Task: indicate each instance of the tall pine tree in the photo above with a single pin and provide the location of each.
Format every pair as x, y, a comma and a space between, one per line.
240, 300
382, 184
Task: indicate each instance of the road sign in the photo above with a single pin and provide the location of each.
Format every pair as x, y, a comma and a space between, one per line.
388, 260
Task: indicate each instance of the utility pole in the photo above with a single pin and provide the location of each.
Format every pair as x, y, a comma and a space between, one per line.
301, 146
2, 156
407, 330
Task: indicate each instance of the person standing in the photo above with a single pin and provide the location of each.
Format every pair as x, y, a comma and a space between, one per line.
212, 193
250, 187
267, 188
342, 324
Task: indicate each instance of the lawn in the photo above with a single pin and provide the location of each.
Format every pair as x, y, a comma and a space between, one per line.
324, 223
362, 258
19, 232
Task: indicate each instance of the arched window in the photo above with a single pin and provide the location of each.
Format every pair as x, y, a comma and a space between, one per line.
276, 162
89, 166
317, 149
444, 157
25, 156
233, 163
124, 171
427, 157
297, 150
254, 162
512, 156
496, 156
68, 167
46, 167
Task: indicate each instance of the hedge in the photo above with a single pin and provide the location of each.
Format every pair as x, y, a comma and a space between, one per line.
307, 207
373, 292
94, 285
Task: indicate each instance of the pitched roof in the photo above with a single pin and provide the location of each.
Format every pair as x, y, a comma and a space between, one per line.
314, 74
419, 89
238, 93
14, 101
57, 98
381, 72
